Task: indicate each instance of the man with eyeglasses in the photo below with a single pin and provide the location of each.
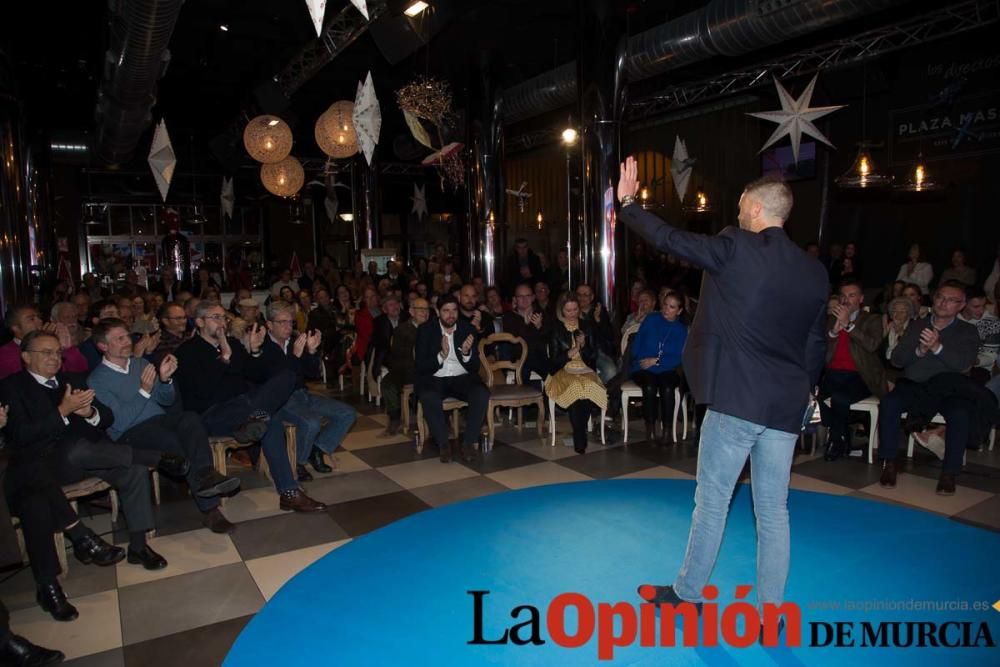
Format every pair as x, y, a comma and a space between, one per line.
399, 361
148, 415
55, 421
173, 330
934, 351
227, 383
527, 321
22, 320
284, 351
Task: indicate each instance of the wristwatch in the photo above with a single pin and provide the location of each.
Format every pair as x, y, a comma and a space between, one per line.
627, 200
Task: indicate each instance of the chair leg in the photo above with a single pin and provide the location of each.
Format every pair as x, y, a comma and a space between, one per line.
114, 505
490, 421
604, 413
624, 419
540, 422
552, 420
156, 487
684, 414
677, 407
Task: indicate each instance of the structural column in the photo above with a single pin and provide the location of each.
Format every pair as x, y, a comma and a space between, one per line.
601, 85
372, 230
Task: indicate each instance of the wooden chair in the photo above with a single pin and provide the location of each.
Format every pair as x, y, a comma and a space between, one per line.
75, 492
452, 405
404, 403
515, 395
221, 445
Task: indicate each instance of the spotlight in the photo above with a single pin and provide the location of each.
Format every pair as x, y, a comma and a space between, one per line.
223, 27
415, 8
569, 136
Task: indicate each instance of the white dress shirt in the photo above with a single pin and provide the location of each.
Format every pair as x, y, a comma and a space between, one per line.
93, 420
450, 365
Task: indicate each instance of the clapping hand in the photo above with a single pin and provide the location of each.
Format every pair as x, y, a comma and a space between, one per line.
843, 315
60, 331
648, 362
148, 378
168, 367
536, 319
256, 337
929, 339
477, 318
314, 340
299, 346
467, 344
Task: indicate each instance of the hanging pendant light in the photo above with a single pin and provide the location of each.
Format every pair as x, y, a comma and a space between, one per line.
863, 173
699, 204
918, 179
268, 139
283, 179
334, 130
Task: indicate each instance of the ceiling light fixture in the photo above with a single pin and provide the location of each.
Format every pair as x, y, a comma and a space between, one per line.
223, 27
569, 136
416, 8
347, 217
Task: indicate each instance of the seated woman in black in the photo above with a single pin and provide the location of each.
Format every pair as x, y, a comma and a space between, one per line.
573, 383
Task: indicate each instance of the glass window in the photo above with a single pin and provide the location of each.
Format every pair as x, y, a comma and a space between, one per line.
121, 220
213, 222
144, 221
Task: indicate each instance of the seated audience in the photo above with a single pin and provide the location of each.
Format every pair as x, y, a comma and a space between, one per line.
958, 270
988, 326
285, 351
593, 312
853, 368
573, 382
142, 399
656, 363
527, 321
901, 312
21, 321
933, 354
447, 366
55, 418
400, 362
916, 296
915, 270
227, 383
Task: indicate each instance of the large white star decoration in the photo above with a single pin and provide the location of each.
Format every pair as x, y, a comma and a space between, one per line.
680, 167
227, 197
796, 117
419, 201
162, 159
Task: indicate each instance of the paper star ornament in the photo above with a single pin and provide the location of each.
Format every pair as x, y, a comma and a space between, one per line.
795, 118
162, 159
317, 10
680, 167
367, 117
362, 6
227, 198
419, 201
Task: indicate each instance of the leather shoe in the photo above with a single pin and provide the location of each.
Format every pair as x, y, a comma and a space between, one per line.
834, 449
664, 595
317, 462
302, 474
22, 653
173, 465
300, 502
148, 558
52, 599
212, 484
252, 430
214, 520
888, 479
92, 549
946, 484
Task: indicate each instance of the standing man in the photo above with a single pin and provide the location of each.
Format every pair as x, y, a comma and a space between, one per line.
447, 364
754, 352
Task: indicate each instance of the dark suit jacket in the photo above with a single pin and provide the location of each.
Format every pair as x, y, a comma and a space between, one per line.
382, 339
865, 341
34, 426
757, 344
428, 346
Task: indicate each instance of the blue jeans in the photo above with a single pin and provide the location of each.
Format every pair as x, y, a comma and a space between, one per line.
305, 410
725, 444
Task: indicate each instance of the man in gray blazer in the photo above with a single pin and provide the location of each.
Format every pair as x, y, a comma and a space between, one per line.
753, 354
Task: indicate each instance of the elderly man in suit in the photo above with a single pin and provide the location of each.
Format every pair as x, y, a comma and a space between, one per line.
447, 365
853, 368
754, 352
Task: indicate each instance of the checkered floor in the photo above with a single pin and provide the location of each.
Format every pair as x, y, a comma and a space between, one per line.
191, 612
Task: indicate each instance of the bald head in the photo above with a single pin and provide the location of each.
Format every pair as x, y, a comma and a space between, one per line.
420, 311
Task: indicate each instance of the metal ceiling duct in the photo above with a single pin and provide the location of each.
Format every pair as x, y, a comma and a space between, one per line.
136, 59
721, 28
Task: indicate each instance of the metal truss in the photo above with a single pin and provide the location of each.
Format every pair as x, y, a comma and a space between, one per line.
938, 24
345, 28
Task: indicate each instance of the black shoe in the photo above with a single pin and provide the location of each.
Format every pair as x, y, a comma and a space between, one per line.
148, 558
212, 484
663, 595
252, 430
19, 652
834, 449
465, 452
777, 635
445, 452
946, 484
52, 599
317, 462
174, 465
92, 549
302, 474
214, 520
888, 479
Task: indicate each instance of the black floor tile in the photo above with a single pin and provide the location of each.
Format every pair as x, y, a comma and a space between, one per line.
206, 646
358, 517
112, 658
284, 532
606, 463
502, 457
388, 455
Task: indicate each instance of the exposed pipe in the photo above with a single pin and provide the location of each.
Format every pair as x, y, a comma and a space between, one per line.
721, 28
136, 59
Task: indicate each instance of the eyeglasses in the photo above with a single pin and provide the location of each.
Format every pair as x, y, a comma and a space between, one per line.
179, 317
48, 353
214, 317
281, 321
950, 299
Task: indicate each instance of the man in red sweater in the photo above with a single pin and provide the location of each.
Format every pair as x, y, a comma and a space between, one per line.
22, 320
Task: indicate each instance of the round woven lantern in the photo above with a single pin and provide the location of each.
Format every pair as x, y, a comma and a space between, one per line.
268, 139
284, 178
335, 133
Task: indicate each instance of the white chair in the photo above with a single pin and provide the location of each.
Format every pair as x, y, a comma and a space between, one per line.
552, 422
870, 405
938, 419
376, 393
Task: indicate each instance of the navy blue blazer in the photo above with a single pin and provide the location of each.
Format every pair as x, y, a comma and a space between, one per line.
757, 344
428, 345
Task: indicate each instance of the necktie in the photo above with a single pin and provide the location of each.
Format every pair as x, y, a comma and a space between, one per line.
51, 383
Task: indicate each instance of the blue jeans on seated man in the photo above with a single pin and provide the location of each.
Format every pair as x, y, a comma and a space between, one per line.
222, 419
306, 410
726, 442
